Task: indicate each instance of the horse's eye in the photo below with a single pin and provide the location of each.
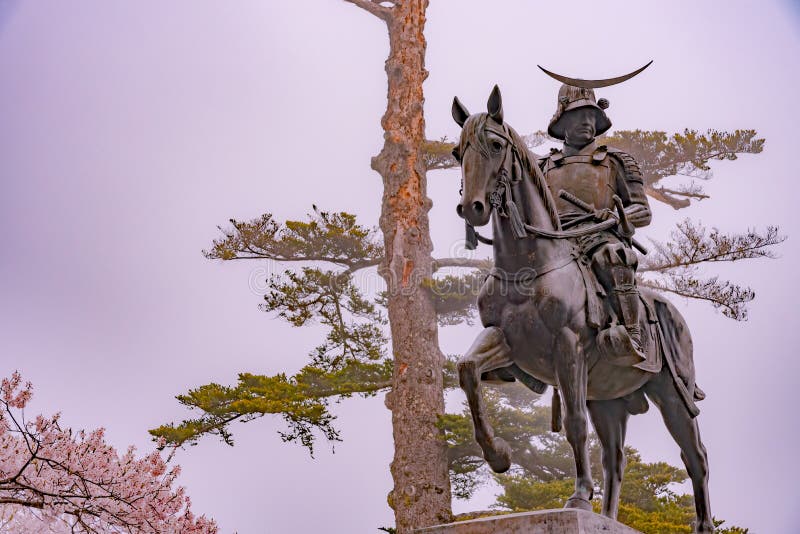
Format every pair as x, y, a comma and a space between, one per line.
496, 146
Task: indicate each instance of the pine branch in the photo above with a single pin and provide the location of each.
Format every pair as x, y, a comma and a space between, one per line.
536, 139
677, 262
330, 237
438, 154
302, 400
352, 359
354, 322
722, 295
661, 156
455, 296
691, 244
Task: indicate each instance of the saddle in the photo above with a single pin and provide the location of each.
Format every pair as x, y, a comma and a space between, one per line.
660, 338
612, 342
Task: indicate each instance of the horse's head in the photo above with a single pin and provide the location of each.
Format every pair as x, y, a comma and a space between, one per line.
484, 152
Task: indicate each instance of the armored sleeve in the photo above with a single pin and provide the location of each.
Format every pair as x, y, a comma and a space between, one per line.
629, 185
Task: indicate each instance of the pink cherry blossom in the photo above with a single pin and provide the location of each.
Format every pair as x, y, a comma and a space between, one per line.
54, 479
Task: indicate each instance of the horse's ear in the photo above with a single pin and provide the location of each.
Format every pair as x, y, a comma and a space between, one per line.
495, 105
460, 113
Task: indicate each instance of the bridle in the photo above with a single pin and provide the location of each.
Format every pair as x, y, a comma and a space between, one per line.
501, 198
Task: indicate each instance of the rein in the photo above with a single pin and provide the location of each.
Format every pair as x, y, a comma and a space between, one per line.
528, 274
509, 209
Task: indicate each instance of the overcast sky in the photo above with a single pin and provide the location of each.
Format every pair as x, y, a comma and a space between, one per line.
131, 129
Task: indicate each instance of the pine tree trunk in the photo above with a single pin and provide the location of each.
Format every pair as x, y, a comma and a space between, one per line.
421, 494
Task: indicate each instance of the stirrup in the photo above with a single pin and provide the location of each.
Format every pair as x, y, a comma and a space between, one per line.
618, 348
635, 334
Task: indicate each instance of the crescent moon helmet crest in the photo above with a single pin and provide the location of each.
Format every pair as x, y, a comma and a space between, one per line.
593, 84
576, 93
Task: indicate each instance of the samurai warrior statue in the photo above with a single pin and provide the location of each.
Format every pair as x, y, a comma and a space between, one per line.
594, 174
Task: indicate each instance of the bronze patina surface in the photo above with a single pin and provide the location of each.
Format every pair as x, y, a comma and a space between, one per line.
561, 306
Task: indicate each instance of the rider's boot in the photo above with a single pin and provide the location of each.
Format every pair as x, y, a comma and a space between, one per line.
622, 344
623, 278
628, 299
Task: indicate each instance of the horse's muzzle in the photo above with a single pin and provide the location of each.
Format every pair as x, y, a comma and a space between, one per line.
474, 212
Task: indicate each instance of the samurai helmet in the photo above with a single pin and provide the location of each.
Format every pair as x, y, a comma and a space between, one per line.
577, 93
571, 97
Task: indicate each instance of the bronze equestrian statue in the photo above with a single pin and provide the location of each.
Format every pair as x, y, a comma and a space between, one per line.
560, 307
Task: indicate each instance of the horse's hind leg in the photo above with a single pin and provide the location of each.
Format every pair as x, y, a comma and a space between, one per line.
489, 351
572, 376
686, 433
610, 420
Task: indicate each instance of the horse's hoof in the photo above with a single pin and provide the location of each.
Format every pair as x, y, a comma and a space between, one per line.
499, 458
580, 503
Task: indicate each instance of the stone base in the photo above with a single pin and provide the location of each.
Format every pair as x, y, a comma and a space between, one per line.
563, 521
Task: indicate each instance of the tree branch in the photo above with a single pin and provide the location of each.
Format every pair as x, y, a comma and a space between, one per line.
483, 264
730, 298
330, 237
662, 193
302, 400
22, 502
692, 245
668, 199
382, 12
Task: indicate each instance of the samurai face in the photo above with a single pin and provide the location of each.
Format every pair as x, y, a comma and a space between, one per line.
579, 126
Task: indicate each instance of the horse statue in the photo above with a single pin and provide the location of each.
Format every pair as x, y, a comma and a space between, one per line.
535, 306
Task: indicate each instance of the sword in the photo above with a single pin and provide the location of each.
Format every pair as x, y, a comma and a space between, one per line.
588, 208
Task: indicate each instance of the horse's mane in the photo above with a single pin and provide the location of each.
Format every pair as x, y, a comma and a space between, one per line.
529, 164
475, 128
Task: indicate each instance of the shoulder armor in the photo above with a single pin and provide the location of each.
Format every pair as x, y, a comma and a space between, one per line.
554, 156
599, 154
629, 166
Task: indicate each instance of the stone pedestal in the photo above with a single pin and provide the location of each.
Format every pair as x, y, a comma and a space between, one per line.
564, 521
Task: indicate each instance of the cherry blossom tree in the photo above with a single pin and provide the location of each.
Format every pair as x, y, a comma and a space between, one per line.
54, 479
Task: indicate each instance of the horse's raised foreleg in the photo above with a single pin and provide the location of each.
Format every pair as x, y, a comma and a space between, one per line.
610, 419
572, 377
489, 351
686, 433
